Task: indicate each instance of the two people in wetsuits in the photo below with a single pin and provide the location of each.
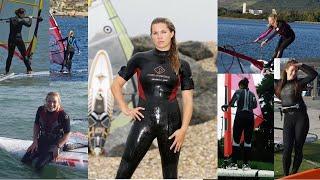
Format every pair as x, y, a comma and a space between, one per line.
243, 122
51, 131
281, 28
296, 121
15, 38
160, 74
71, 44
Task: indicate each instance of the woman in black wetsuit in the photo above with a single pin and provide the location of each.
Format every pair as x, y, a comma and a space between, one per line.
51, 131
287, 36
15, 38
244, 122
296, 120
69, 51
160, 72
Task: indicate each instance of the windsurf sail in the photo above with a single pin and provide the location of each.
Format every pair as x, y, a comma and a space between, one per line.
29, 34
56, 47
231, 85
108, 33
255, 62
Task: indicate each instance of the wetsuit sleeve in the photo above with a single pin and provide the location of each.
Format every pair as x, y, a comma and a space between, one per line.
64, 39
126, 72
234, 98
76, 44
36, 121
65, 122
264, 34
311, 75
28, 22
271, 37
186, 76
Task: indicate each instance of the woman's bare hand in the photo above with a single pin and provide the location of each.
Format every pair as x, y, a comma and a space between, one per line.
179, 136
134, 113
33, 147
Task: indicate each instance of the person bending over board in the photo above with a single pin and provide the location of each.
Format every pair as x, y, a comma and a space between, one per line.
51, 131
243, 122
283, 29
15, 38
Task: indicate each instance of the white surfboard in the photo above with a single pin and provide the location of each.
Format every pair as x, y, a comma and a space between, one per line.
247, 173
24, 75
100, 101
77, 158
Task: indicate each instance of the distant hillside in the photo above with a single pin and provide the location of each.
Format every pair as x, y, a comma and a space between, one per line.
296, 5
235, 4
267, 5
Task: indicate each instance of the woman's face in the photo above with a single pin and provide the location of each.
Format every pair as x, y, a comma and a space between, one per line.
272, 21
161, 36
291, 72
52, 103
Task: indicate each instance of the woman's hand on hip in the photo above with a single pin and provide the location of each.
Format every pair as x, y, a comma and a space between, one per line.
179, 136
134, 113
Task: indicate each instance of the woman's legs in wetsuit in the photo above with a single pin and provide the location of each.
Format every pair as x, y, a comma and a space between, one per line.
22, 50
295, 130
43, 156
11, 47
244, 121
69, 60
281, 46
139, 140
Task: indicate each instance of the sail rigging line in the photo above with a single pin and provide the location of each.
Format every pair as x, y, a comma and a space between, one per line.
231, 48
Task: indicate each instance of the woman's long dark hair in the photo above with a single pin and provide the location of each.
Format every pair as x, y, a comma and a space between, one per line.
173, 52
284, 80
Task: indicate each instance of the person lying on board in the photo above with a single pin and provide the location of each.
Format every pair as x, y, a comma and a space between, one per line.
51, 131
69, 51
243, 122
283, 29
15, 38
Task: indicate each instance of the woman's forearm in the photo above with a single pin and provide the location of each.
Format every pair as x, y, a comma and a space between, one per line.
36, 131
187, 102
64, 139
116, 89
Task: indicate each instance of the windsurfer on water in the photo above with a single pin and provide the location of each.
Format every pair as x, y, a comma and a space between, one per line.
15, 38
287, 36
51, 131
69, 51
244, 121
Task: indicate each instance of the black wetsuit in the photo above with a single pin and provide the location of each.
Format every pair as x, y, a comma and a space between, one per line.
243, 122
69, 52
287, 36
158, 85
15, 39
53, 125
296, 120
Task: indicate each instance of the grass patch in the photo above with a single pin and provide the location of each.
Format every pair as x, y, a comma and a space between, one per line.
310, 152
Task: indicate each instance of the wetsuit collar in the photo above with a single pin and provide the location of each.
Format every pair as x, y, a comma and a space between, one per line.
159, 53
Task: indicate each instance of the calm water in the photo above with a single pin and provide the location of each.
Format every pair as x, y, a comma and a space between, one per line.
234, 32
19, 102
20, 98
80, 61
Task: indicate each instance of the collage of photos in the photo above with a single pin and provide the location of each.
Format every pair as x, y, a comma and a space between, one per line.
146, 89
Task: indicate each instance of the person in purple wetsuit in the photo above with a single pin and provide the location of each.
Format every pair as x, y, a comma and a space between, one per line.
287, 36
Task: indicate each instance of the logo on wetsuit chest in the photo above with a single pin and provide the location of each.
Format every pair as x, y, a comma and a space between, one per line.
159, 70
